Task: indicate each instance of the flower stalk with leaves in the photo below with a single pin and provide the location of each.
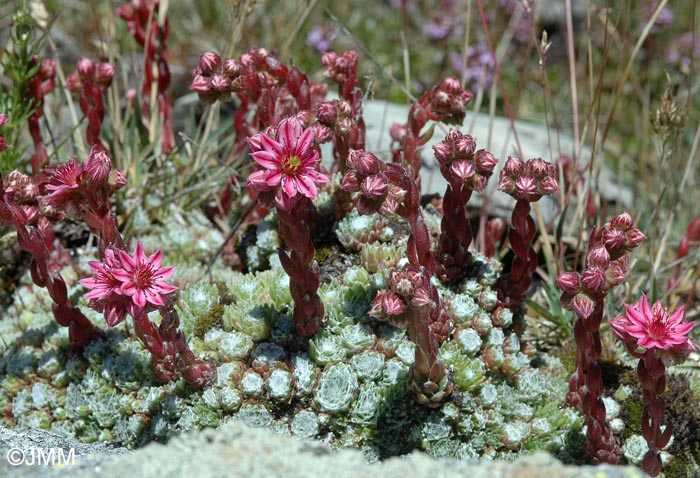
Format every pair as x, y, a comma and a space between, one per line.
466, 170
91, 80
412, 301
41, 84
526, 182
287, 179
445, 103
584, 293
148, 24
657, 338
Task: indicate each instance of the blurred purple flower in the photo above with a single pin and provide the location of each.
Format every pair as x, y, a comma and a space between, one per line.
682, 49
438, 27
320, 38
664, 19
478, 72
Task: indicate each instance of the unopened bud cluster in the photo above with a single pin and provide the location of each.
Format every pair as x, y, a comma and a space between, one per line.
91, 80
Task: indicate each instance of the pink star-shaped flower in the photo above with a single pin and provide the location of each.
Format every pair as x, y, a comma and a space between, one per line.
122, 283
143, 278
288, 160
652, 327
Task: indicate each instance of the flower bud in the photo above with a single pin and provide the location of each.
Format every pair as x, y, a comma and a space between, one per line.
615, 275
73, 82
220, 82
526, 186
537, 167
232, 68
598, 256
344, 126
350, 182
104, 74
375, 186
549, 185
465, 145
116, 179
634, 238
47, 69
614, 238
463, 170
98, 166
367, 163
593, 279
513, 166
485, 162
443, 151
326, 113
201, 85
622, 221
582, 305
569, 282
86, 68
209, 62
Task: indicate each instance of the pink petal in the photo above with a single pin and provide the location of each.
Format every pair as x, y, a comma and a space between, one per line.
647, 342
316, 176
289, 186
139, 254
304, 141
267, 159
270, 144
307, 187
645, 307
289, 131
153, 298
128, 264
156, 259
96, 294
164, 273
128, 288
683, 329
635, 316
89, 282
164, 288
273, 178
121, 275
139, 298
677, 316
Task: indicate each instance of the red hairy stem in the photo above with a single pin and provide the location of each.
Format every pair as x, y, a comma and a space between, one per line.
40, 85
171, 358
513, 286
36, 239
651, 372
428, 378
91, 80
526, 182
142, 21
349, 129
301, 267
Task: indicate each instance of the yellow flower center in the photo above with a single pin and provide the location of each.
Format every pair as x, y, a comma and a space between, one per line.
292, 164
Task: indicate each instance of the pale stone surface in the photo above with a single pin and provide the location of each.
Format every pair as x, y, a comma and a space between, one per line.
235, 450
534, 141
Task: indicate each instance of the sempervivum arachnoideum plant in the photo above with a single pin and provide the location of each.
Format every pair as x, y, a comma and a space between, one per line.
378, 353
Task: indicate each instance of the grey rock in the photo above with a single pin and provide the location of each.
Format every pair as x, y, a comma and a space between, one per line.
236, 450
494, 135
40, 446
